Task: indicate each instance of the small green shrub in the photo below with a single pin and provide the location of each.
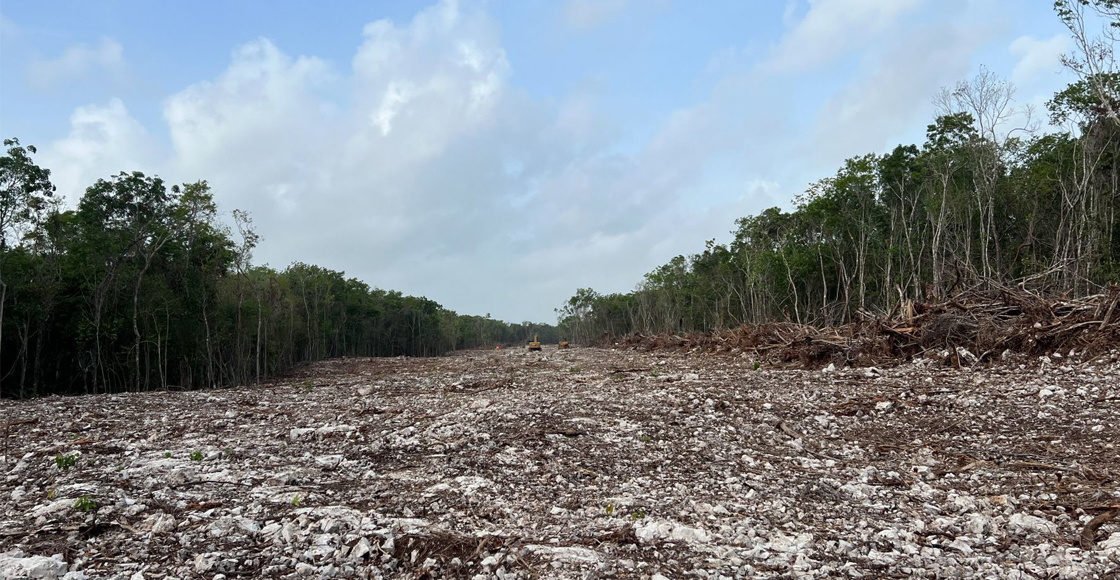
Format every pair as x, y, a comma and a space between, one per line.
85, 504
196, 456
167, 454
610, 509
638, 515
295, 500
65, 461
757, 365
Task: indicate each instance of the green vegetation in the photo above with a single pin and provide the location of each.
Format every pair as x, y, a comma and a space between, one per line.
65, 461
295, 500
977, 204
196, 456
85, 504
142, 286
638, 515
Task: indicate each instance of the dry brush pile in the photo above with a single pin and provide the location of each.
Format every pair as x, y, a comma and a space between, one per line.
973, 327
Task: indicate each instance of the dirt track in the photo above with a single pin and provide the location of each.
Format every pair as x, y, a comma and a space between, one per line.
580, 463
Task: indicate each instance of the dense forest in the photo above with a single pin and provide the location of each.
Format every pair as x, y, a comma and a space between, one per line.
143, 286
986, 200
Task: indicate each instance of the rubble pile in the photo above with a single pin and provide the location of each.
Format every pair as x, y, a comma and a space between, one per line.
580, 463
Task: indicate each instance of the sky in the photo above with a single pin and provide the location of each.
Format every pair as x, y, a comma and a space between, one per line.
497, 155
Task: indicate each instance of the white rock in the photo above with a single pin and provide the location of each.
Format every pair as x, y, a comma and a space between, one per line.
332, 429
961, 546
298, 433
1112, 544
203, 563
786, 543
966, 355
572, 554
33, 567
161, 523
653, 530
361, 549
1025, 523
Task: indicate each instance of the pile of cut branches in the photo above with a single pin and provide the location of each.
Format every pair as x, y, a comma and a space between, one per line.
975, 326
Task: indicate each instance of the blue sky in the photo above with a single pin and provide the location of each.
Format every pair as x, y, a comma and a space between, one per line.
495, 156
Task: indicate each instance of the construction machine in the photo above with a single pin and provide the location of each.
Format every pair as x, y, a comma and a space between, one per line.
536, 344
563, 345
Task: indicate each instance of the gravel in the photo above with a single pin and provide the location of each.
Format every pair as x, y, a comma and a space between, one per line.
583, 463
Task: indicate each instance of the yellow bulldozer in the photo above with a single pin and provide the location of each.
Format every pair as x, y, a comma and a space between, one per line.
563, 345
536, 344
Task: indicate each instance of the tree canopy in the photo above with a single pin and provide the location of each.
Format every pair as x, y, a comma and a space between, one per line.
144, 286
980, 202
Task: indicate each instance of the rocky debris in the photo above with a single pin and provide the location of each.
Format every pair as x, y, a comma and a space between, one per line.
575, 463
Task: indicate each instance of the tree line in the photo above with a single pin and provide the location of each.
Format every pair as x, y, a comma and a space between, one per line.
985, 200
143, 286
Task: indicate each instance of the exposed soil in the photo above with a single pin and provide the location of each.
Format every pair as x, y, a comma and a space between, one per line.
583, 463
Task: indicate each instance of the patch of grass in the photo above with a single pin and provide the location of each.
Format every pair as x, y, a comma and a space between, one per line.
654, 374
196, 456
757, 365
638, 515
51, 493
573, 369
295, 500
228, 452
610, 509
65, 461
645, 438
308, 384
85, 504
167, 454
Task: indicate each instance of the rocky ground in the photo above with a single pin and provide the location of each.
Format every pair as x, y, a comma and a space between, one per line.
585, 463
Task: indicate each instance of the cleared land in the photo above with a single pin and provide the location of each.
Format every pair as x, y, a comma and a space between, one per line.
578, 463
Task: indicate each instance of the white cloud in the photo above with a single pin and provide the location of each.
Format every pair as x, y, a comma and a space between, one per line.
1037, 57
421, 168
832, 27
77, 62
876, 109
103, 141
